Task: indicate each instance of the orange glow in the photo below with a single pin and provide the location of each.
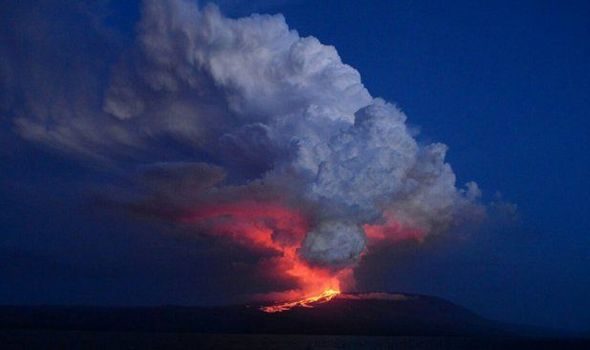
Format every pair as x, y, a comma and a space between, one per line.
277, 228
308, 302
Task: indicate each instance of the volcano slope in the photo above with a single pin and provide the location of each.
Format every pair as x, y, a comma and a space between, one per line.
346, 320
349, 314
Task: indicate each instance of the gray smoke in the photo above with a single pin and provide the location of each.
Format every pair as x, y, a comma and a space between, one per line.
333, 243
268, 111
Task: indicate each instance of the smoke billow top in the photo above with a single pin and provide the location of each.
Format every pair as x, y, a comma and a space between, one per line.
260, 136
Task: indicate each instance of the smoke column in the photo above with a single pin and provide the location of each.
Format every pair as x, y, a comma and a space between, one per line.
287, 150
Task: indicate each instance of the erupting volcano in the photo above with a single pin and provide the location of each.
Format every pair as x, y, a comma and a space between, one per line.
248, 134
213, 169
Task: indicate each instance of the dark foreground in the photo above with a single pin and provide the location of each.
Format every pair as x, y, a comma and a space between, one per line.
52, 339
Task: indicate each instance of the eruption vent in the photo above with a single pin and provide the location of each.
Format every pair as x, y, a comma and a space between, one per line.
244, 131
324, 297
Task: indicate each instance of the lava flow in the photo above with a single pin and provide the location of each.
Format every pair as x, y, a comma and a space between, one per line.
308, 302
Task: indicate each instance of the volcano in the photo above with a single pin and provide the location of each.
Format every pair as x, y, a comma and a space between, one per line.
331, 319
330, 313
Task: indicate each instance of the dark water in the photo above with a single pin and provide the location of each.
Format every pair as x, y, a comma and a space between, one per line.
47, 339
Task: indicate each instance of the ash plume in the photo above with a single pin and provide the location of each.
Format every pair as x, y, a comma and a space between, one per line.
279, 138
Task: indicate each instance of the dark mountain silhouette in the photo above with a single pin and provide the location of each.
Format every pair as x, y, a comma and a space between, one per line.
358, 315
350, 314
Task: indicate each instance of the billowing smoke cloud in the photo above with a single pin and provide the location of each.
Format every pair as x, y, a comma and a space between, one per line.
260, 135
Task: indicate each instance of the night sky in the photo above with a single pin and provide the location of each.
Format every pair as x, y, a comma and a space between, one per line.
504, 85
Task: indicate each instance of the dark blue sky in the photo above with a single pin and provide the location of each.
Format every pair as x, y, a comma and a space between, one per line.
505, 84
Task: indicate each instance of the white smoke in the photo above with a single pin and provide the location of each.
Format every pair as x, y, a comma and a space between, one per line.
270, 107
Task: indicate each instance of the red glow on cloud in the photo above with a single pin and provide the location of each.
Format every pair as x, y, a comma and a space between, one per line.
278, 228
281, 229
391, 231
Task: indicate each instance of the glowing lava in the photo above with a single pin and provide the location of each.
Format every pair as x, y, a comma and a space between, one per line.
308, 302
